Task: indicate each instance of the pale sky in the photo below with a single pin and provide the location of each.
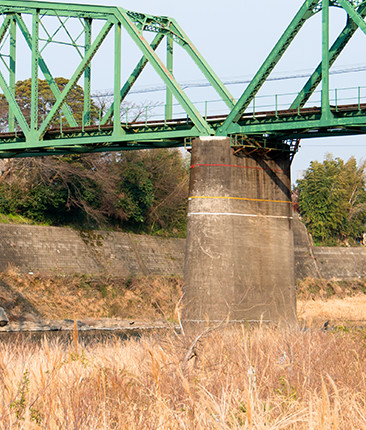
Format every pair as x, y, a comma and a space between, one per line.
235, 37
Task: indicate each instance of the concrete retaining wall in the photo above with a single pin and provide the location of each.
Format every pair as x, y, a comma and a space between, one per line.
54, 249
326, 262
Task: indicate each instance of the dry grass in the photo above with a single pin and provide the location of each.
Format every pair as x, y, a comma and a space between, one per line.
340, 302
232, 378
81, 296
315, 288
37, 296
348, 309
236, 379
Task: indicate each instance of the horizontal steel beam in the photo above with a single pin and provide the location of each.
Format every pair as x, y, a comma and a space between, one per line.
39, 137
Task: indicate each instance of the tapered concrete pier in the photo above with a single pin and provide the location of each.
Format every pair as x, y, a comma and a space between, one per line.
239, 254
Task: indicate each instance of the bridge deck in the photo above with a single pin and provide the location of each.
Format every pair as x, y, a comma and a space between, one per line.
263, 126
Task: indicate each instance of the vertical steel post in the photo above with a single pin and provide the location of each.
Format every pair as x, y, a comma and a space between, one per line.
35, 60
117, 128
169, 62
87, 74
276, 105
336, 99
13, 35
325, 60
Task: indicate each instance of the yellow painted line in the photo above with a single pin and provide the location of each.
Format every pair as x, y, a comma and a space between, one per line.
241, 215
239, 198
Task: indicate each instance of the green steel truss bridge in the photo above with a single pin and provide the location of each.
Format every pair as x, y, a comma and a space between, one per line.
39, 25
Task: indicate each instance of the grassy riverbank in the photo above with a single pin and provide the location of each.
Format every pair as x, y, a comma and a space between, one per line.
228, 379
37, 296
32, 297
340, 302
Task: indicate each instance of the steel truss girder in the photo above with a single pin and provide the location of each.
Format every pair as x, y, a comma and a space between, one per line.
46, 72
337, 48
135, 24
36, 140
307, 125
356, 11
135, 136
336, 3
272, 60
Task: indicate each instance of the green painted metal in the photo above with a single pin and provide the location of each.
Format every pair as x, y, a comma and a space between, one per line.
7, 90
35, 61
353, 14
79, 71
117, 128
337, 48
326, 113
171, 83
46, 72
13, 105
246, 121
305, 12
87, 73
211, 76
12, 78
169, 65
133, 78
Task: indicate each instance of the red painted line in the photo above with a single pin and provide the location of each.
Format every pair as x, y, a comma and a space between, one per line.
233, 165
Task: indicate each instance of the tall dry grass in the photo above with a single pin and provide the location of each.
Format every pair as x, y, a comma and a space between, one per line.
340, 302
337, 310
235, 378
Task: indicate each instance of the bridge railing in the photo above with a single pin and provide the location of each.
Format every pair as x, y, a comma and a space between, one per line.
263, 103
274, 103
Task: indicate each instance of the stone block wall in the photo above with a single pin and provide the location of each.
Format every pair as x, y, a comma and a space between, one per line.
64, 250
326, 262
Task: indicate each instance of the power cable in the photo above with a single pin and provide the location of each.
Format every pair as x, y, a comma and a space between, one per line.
189, 85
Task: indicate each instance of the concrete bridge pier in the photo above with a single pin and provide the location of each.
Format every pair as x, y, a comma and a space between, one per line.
239, 253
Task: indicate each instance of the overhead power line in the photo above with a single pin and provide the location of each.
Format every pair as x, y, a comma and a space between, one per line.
189, 85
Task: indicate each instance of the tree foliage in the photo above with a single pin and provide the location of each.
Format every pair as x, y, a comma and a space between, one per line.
332, 200
46, 100
142, 191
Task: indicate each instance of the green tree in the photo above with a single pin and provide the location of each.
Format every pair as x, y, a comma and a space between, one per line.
54, 190
46, 100
152, 189
332, 200
144, 191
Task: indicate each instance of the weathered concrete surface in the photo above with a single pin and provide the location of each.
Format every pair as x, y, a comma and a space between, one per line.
239, 250
326, 262
63, 250
305, 263
340, 263
55, 249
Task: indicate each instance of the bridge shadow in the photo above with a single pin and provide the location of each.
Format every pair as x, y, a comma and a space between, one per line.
16, 306
282, 168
